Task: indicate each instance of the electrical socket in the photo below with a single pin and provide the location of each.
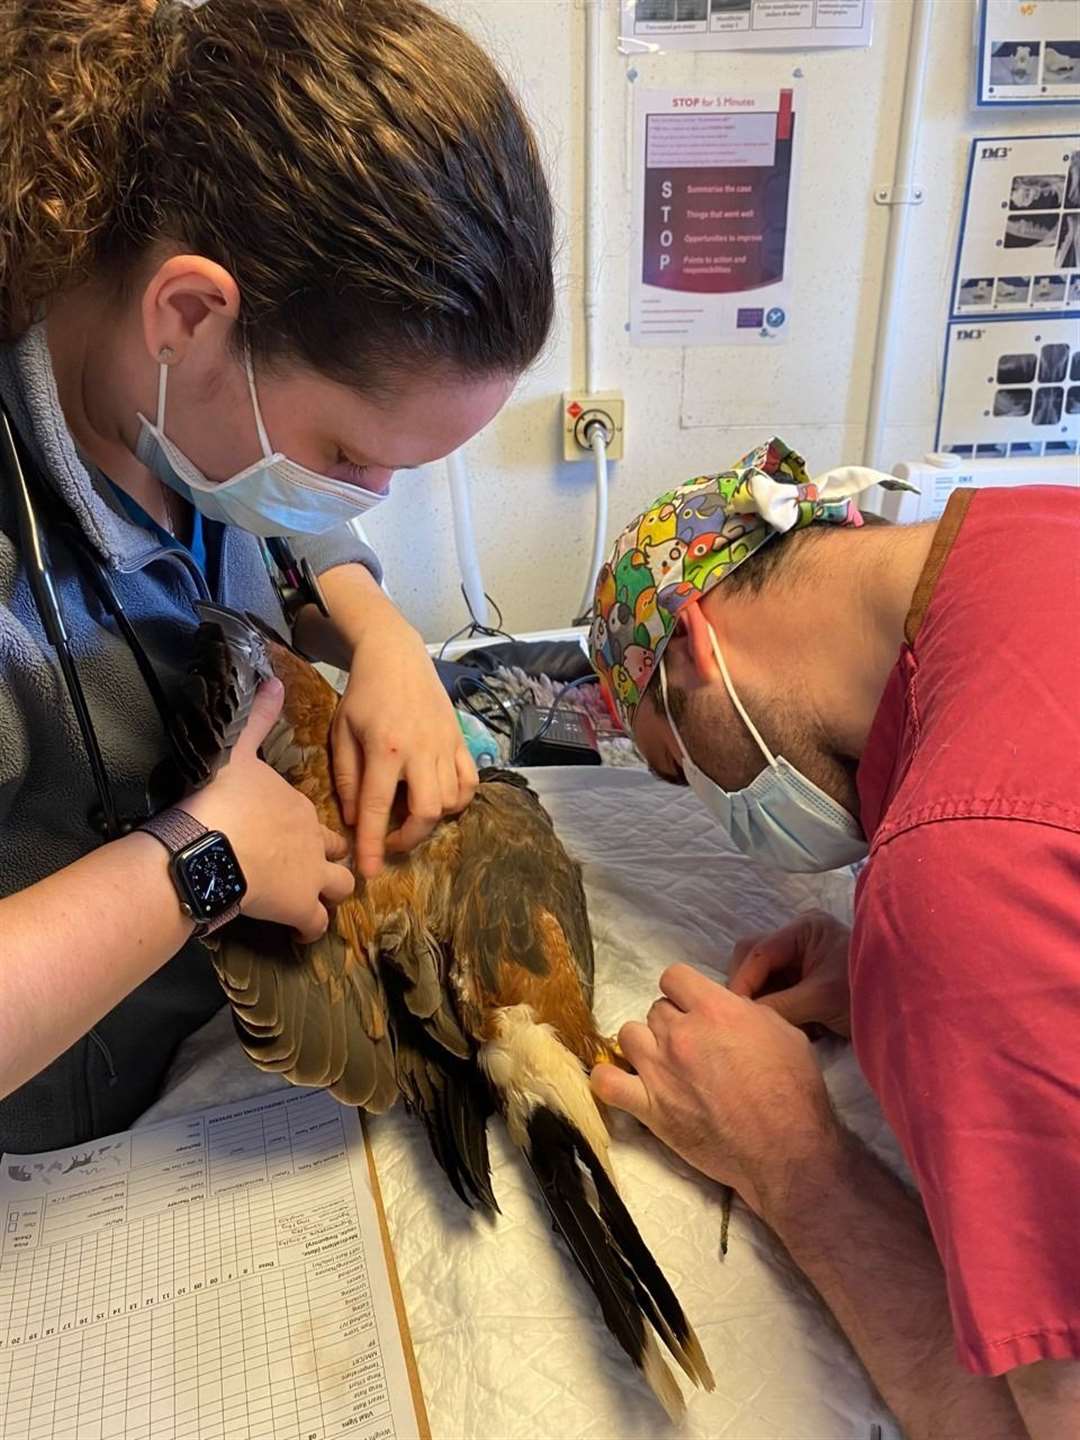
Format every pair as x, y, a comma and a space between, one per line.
580, 410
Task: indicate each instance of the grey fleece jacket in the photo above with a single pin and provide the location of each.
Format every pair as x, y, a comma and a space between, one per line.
105, 1080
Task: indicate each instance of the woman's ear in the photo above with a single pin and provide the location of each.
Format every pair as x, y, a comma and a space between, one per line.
186, 299
699, 647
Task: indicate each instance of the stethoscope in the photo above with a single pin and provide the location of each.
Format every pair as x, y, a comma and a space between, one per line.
294, 580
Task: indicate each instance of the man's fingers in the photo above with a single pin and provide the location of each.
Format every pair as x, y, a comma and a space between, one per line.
764, 955
661, 1014
757, 965
315, 925
637, 1043
265, 709
378, 786
686, 987
615, 1087
335, 845
338, 885
801, 1005
347, 766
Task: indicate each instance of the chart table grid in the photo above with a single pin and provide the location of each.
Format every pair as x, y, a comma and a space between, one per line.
203, 1280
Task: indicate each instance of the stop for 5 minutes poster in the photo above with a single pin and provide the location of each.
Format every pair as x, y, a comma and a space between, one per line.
714, 181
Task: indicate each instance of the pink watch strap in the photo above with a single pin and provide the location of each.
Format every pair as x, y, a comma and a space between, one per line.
176, 829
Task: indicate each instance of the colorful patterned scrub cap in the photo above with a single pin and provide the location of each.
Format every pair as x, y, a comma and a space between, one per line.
689, 539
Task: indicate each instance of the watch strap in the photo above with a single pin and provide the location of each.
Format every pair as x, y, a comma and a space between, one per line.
176, 830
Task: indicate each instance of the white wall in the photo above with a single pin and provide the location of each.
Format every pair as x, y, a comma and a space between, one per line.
697, 410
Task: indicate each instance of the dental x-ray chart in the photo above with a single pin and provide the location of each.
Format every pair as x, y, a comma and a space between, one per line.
653, 25
713, 197
1019, 246
1029, 52
1012, 387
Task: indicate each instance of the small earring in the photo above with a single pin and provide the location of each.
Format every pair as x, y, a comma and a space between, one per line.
165, 354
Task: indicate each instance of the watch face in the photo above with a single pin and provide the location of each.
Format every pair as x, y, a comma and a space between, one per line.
211, 877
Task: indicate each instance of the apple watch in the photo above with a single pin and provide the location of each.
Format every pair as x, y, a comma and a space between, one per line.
203, 867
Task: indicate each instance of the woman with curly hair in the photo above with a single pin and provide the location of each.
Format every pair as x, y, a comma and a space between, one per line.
255, 255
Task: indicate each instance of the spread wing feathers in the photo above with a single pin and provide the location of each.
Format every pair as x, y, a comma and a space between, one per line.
609, 1251
514, 877
308, 1013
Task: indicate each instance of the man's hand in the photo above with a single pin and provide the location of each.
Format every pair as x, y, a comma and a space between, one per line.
725, 1083
801, 971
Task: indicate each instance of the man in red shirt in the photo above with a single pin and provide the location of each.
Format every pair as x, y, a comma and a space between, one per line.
911, 694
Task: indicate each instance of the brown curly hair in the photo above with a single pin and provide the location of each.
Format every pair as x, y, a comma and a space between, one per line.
359, 166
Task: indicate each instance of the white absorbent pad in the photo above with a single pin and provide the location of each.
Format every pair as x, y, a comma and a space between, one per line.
508, 1338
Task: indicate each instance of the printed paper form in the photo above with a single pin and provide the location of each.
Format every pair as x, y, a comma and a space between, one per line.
216, 1277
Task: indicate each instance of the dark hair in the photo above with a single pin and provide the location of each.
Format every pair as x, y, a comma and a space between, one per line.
359, 166
766, 563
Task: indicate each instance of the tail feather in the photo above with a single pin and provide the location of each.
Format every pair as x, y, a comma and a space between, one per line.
556, 1155
553, 1119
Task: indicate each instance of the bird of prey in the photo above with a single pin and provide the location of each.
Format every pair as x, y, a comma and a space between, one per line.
459, 977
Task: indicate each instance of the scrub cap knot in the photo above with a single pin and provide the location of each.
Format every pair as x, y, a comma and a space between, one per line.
690, 538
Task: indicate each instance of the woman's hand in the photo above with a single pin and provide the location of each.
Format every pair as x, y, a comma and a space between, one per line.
287, 856
726, 1084
395, 725
801, 972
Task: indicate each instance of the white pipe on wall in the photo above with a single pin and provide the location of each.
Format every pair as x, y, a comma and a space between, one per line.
594, 210
598, 442
899, 216
465, 539
594, 187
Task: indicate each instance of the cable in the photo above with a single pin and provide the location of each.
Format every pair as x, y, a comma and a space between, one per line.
597, 436
474, 627
573, 685
488, 719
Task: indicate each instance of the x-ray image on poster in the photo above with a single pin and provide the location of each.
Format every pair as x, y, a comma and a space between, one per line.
746, 24
1012, 387
713, 187
1029, 52
1019, 250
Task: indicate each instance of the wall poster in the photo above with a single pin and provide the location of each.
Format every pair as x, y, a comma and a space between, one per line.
713, 199
1029, 52
746, 24
1019, 248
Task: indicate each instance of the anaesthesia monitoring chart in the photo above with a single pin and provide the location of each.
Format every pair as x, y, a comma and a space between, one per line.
220, 1275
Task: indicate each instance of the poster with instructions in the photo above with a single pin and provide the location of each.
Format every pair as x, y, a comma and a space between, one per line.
1028, 52
1012, 387
1019, 247
713, 200
745, 24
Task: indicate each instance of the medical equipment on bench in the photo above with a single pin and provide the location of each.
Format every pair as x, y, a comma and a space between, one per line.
295, 583
936, 476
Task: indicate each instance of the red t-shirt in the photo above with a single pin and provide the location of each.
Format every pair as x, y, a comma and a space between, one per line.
965, 957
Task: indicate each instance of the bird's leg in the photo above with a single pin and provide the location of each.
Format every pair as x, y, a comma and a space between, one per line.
610, 1053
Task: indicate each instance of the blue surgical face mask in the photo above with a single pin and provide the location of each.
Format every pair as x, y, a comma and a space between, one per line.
275, 496
781, 817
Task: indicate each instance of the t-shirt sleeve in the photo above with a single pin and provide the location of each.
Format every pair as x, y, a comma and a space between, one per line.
965, 978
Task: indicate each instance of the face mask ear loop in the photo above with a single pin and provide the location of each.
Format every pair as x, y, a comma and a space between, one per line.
264, 438
667, 711
162, 384
769, 756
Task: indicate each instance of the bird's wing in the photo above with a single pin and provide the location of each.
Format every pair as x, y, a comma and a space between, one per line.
518, 921
315, 1013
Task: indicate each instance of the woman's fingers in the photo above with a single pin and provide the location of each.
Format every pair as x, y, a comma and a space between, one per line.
335, 845
338, 884
347, 760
